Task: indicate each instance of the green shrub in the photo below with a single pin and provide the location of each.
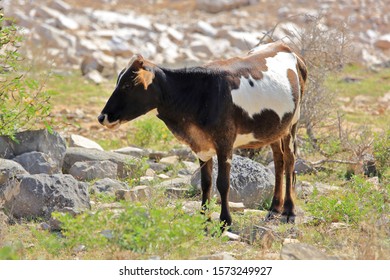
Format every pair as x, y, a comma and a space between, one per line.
166, 231
382, 154
150, 132
23, 102
356, 202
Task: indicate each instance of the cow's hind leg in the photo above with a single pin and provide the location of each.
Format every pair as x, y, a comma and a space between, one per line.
289, 151
223, 186
206, 169
277, 200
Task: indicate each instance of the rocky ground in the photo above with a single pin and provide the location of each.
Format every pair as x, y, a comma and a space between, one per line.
98, 38
42, 174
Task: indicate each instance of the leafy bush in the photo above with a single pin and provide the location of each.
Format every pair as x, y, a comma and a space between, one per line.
357, 202
23, 102
382, 153
151, 132
168, 231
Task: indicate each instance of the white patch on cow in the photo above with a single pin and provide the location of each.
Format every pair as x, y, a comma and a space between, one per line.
273, 92
244, 139
229, 161
206, 155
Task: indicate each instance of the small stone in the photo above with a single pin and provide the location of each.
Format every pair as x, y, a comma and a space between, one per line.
176, 192
290, 240
231, 236
171, 160
218, 256
138, 193
236, 206
163, 176
132, 151
83, 142
301, 251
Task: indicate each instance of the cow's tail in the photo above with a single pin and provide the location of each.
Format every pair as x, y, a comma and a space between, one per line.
302, 69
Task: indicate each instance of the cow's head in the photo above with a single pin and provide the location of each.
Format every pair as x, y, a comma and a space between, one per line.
133, 96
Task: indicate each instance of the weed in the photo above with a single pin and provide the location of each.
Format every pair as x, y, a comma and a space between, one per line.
358, 201
152, 133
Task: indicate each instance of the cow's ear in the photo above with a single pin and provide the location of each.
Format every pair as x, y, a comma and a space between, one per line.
136, 62
144, 77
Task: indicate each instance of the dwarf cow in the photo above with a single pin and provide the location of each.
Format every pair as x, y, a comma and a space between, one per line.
242, 102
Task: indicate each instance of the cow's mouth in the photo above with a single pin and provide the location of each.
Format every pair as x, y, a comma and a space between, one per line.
113, 125
103, 119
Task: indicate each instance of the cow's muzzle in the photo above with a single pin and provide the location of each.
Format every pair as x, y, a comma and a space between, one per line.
103, 119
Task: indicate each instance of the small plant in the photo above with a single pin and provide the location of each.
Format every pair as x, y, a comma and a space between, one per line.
145, 230
382, 154
152, 133
23, 102
357, 202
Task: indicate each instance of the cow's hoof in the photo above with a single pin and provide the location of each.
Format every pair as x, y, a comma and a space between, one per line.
288, 218
272, 215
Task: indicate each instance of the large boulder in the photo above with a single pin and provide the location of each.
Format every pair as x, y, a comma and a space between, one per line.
92, 170
250, 182
51, 144
37, 163
37, 196
125, 163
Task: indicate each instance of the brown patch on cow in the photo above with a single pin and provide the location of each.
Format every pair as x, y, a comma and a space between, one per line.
294, 83
198, 139
253, 64
143, 77
266, 126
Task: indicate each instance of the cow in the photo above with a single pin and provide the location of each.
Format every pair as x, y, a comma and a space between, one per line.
242, 102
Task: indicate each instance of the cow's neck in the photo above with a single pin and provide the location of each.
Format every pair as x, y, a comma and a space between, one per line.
190, 96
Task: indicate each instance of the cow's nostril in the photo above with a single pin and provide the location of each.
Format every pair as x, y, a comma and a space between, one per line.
101, 118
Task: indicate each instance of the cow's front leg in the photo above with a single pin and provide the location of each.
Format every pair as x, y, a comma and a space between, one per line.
277, 200
206, 169
223, 185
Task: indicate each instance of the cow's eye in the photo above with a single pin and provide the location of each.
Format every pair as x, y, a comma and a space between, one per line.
127, 86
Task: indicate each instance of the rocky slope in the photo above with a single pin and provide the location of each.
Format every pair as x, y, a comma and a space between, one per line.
100, 36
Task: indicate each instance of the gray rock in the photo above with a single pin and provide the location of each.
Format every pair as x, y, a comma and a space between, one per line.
125, 163
133, 151
42, 141
260, 235
54, 37
303, 167
302, 251
138, 193
95, 77
37, 163
108, 185
206, 28
250, 182
83, 142
92, 170
218, 256
174, 192
184, 154
39, 195
90, 63
62, 21
176, 182
9, 170
217, 6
